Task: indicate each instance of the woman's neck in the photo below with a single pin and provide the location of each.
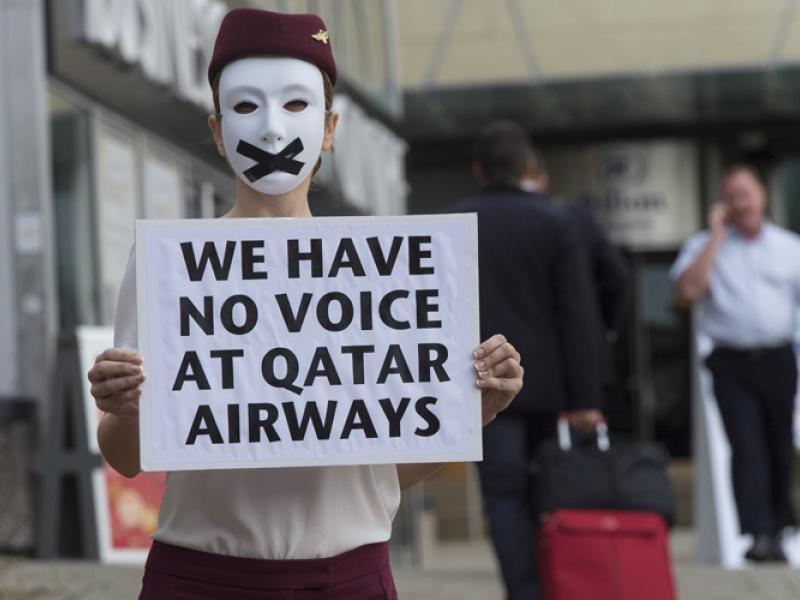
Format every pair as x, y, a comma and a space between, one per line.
250, 203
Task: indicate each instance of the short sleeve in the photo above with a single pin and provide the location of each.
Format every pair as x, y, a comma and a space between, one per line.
125, 322
795, 261
689, 251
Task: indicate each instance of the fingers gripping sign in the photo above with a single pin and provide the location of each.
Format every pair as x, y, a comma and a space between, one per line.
116, 378
500, 374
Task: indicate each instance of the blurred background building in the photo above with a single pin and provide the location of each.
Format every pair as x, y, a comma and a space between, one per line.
103, 111
635, 105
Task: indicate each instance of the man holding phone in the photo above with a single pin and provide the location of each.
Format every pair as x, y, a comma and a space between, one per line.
744, 274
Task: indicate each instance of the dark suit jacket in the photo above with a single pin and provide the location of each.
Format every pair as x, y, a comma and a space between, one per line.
610, 281
607, 267
535, 290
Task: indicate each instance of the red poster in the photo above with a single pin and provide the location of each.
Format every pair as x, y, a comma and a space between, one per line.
133, 507
127, 513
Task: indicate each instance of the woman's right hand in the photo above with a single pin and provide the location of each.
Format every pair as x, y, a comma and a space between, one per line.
116, 379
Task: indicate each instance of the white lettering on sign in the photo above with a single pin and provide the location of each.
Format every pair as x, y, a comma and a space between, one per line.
171, 41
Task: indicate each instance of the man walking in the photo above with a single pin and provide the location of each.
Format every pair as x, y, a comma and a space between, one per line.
744, 275
607, 269
534, 277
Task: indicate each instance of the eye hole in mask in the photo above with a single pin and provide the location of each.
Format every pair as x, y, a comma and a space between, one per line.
245, 108
296, 105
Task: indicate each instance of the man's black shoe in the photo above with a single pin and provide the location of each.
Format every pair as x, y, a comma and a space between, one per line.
766, 548
776, 552
762, 548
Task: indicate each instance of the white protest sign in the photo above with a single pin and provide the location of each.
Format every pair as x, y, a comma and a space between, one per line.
299, 342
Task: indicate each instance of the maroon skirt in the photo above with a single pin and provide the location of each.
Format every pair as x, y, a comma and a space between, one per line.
174, 573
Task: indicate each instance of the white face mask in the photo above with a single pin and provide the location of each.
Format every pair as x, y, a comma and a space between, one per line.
273, 120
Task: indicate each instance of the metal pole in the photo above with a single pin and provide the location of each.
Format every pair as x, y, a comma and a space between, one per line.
644, 389
782, 34
437, 57
524, 39
394, 92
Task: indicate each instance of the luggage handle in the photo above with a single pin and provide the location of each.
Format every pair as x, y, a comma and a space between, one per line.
565, 436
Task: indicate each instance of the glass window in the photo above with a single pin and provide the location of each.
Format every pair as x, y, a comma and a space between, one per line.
652, 360
789, 178
72, 199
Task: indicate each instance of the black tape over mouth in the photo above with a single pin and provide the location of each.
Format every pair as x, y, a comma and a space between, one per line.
267, 162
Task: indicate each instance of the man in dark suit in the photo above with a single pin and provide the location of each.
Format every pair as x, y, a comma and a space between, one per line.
607, 268
533, 275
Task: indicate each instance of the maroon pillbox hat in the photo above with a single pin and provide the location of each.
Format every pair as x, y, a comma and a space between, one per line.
246, 32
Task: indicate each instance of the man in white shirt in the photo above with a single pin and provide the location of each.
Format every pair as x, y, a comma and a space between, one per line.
743, 273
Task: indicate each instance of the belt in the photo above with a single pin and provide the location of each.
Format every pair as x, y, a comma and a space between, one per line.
261, 574
756, 351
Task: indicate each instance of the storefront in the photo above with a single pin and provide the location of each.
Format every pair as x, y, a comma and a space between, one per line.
106, 123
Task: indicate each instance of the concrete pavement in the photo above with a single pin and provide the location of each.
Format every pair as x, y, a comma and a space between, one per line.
462, 571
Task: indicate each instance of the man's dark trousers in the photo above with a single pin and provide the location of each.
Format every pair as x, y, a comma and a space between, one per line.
509, 443
755, 391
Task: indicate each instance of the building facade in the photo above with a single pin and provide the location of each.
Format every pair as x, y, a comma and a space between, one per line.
103, 120
636, 109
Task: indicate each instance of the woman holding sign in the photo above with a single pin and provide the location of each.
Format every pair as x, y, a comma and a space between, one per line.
264, 533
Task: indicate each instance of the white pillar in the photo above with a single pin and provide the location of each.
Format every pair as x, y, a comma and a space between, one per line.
28, 314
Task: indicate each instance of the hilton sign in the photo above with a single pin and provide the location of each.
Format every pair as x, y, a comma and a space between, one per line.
171, 41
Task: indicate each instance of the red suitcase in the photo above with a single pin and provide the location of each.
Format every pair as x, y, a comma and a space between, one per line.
604, 555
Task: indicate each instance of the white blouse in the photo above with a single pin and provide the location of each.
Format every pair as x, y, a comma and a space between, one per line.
288, 513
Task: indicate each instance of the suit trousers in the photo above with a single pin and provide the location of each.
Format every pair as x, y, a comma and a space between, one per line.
755, 391
509, 444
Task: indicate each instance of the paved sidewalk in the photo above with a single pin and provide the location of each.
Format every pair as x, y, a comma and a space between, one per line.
468, 572
464, 571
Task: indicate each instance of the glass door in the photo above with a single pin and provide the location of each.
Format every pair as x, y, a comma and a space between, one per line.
650, 398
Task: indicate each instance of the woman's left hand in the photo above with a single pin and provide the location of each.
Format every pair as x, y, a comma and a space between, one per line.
499, 375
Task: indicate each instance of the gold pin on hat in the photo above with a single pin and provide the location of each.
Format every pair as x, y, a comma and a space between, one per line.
321, 36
